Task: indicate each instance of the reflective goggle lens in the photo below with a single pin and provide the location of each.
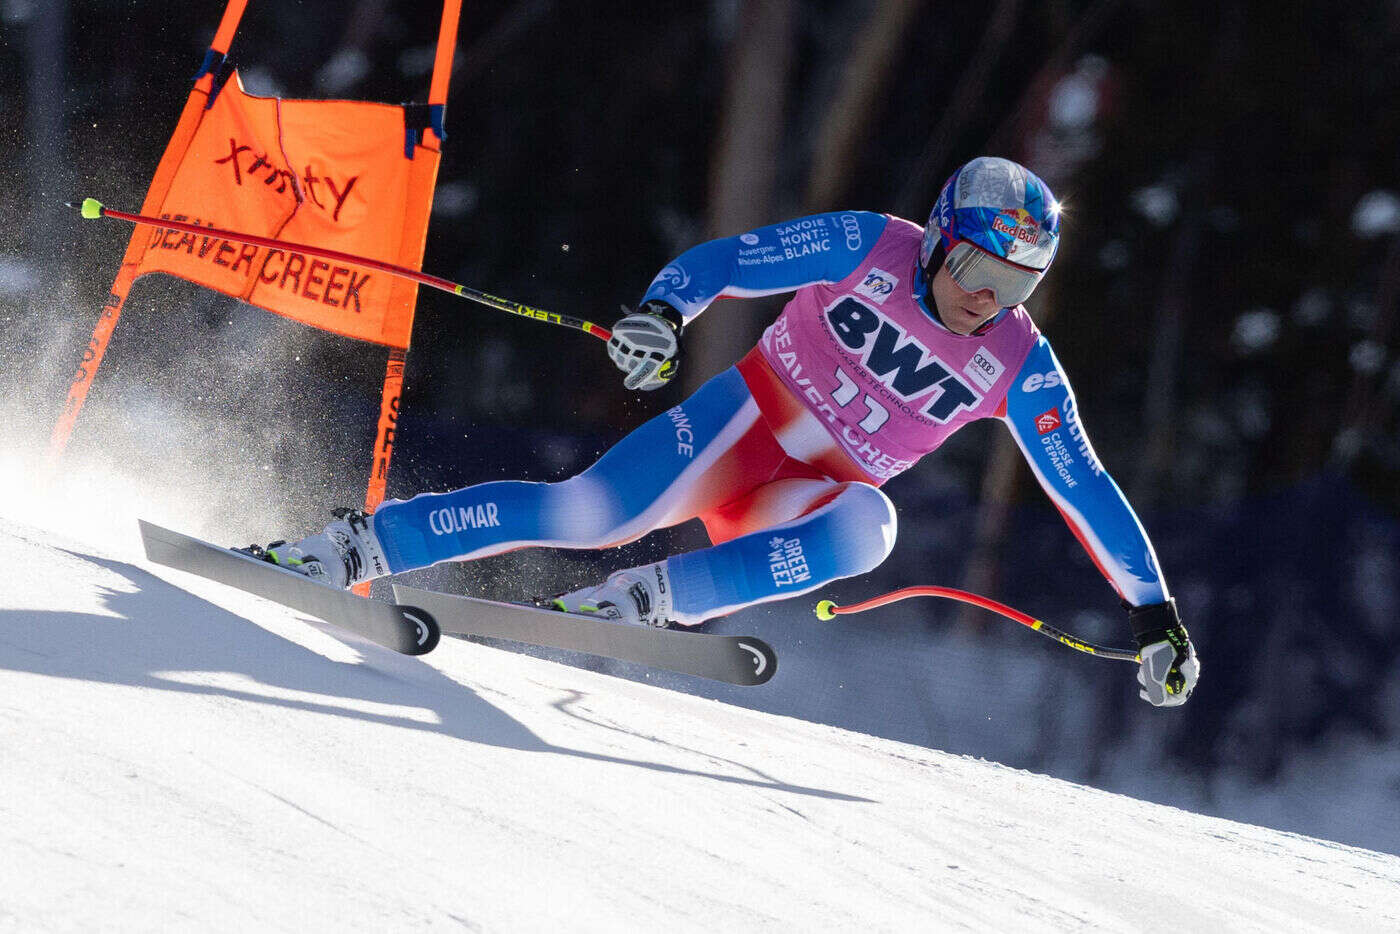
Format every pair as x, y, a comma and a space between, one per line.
974, 269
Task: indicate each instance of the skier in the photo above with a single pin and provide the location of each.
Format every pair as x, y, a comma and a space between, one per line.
895, 338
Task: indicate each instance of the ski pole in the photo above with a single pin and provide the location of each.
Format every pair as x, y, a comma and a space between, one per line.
91, 209
828, 610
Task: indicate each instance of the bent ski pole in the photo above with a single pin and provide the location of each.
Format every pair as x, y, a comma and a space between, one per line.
92, 208
828, 610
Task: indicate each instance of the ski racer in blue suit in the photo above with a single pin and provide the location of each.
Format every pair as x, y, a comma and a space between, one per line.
896, 336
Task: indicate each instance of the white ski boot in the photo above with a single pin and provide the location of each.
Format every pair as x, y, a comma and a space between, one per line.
343, 555
635, 596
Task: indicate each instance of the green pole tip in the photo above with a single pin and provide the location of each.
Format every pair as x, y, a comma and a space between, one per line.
826, 609
92, 208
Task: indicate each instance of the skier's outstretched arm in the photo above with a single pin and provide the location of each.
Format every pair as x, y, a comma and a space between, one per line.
767, 260
1043, 416
763, 261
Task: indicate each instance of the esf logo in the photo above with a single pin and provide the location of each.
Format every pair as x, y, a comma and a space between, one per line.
878, 285
1038, 381
898, 360
462, 518
851, 226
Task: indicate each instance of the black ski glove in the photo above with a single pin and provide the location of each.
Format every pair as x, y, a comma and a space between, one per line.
1168, 667
646, 345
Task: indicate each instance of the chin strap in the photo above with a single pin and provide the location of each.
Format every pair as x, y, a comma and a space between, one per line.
923, 289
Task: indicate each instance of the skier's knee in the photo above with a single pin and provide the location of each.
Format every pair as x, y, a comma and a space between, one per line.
868, 524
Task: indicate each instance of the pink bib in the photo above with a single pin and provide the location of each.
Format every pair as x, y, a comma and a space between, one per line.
887, 383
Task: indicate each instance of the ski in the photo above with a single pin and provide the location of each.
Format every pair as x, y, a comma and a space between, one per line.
405, 629
735, 659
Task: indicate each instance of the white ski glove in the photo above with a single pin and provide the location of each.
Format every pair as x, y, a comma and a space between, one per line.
1167, 667
646, 345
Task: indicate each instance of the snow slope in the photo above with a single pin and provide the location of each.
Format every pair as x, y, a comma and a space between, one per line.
179, 755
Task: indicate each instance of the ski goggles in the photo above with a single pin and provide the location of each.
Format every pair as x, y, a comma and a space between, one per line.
974, 269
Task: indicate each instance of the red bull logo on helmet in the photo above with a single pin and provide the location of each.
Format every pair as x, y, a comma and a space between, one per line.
1018, 223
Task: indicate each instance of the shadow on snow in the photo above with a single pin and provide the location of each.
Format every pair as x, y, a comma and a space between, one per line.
159, 627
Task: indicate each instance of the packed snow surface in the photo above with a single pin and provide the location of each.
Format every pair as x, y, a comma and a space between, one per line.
180, 755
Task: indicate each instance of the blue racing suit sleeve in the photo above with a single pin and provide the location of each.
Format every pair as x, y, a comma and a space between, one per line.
768, 260
1043, 416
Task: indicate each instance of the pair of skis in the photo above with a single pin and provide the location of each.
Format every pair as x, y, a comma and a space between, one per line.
414, 623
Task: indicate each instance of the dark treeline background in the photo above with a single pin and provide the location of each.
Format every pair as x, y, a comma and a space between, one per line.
1225, 300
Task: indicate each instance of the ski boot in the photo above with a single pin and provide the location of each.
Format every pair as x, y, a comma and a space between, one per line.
635, 596
343, 555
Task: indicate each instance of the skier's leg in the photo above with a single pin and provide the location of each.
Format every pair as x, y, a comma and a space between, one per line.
649, 479
676, 466
844, 529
